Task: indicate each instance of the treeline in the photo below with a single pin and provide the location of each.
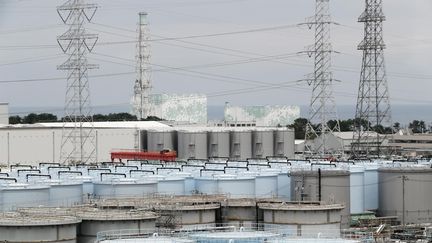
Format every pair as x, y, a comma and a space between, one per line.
415, 126
33, 118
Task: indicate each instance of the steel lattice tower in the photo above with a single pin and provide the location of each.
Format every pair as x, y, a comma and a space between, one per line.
78, 139
142, 88
373, 111
322, 107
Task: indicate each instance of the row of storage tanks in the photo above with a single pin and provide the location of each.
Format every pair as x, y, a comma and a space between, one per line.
400, 189
84, 224
238, 143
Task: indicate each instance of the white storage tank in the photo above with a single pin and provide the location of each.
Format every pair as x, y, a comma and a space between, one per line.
63, 193
206, 185
241, 144
406, 193
171, 185
371, 188
357, 183
160, 140
236, 186
262, 143
14, 196
284, 143
192, 144
218, 144
125, 188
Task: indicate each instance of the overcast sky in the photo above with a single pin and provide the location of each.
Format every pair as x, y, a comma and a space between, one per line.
226, 67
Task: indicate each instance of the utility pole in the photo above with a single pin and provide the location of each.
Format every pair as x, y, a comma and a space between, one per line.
404, 179
142, 88
373, 113
78, 137
323, 106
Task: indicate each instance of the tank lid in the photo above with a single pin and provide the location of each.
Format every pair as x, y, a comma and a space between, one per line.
324, 172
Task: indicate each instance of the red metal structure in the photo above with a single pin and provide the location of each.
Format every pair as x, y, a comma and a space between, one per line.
165, 155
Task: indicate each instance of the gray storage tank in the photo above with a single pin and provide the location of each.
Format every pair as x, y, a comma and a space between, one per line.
160, 140
23, 228
304, 218
262, 143
241, 144
330, 186
192, 144
284, 142
406, 193
218, 143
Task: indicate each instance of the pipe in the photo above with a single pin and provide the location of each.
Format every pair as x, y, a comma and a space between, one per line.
102, 174
323, 164
235, 167
167, 168
58, 167
319, 184
216, 170
125, 166
8, 179
275, 162
68, 172
36, 175
98, 169
193, 166
31, 170
263, 165
4, 174
146, 171
21, 166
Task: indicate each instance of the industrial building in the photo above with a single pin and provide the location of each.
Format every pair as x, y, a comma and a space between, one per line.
270, 115
42, 141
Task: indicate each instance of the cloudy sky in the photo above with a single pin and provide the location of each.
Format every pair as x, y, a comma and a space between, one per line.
236, 65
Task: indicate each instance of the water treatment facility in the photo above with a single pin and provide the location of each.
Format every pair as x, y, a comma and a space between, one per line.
167, 173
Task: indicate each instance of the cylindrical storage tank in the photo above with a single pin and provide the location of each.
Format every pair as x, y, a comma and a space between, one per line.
332, 185
241, 212
284, 186
65, 194
125, 188
371, 188
192, 145
218, 144
266, 185
188, 216
171, 185
357, 196
206, 185
406, 193
262, 143
160, 140
240, 144
236, 186
304, 218
96, 220
15, 196
29, 229
284, 143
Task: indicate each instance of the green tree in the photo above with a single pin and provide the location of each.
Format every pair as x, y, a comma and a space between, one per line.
418, 126
299, 127
15, 120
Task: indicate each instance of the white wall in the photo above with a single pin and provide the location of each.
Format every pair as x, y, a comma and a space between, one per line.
35, 145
